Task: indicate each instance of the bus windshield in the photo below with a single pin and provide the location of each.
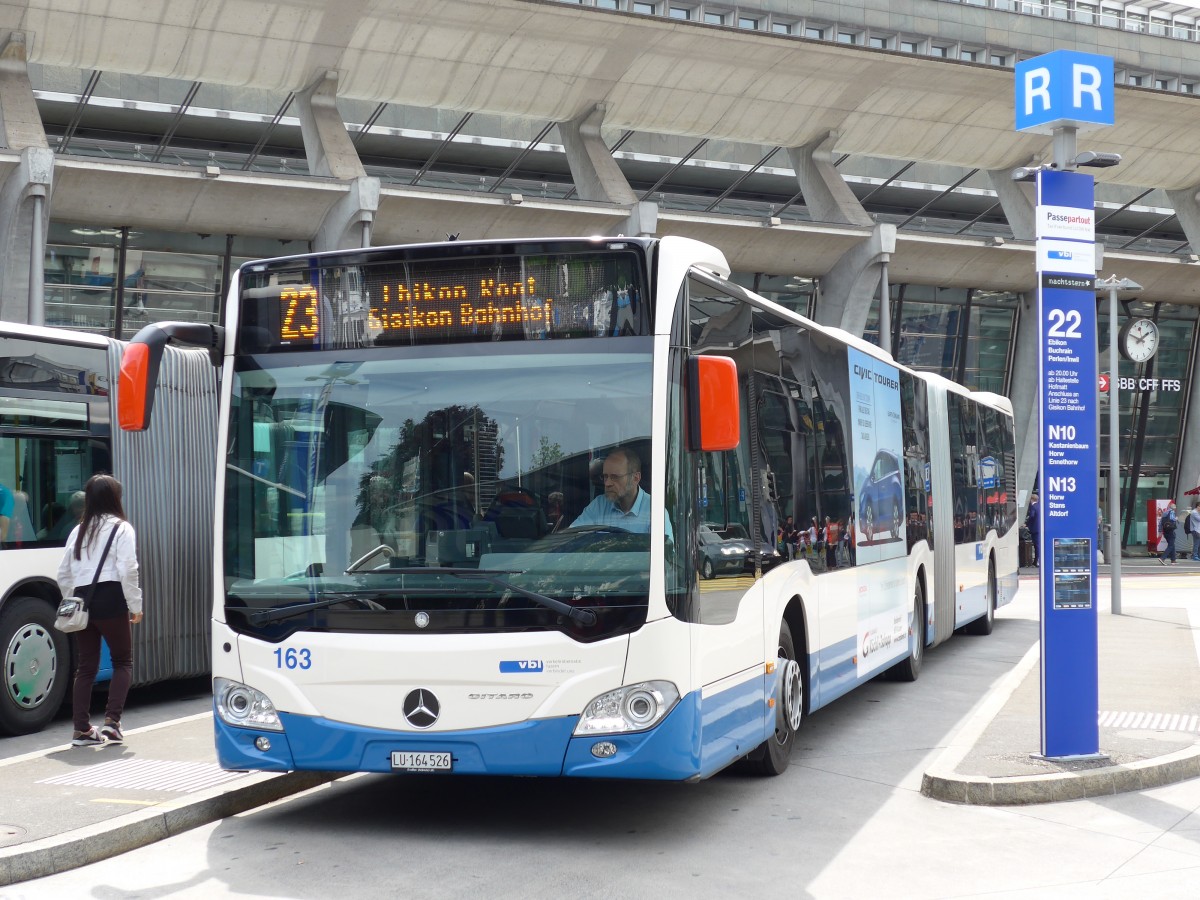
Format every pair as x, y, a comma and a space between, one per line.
443, 489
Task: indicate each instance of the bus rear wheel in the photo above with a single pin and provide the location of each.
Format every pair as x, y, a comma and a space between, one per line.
36, 659
983, 625
773, 755
909, 669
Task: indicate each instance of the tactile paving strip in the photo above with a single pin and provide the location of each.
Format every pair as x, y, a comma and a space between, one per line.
1151, 721
147, 775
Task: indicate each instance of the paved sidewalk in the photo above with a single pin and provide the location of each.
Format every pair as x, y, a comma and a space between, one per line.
78, 805
1149, 715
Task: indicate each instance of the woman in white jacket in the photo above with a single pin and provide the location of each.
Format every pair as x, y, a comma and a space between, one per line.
113, 607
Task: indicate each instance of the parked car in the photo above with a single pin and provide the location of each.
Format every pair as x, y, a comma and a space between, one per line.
731, 551
881, 503
720, 555
769, 557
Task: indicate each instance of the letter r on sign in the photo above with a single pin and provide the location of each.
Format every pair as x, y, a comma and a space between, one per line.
1085, 80
1037, 83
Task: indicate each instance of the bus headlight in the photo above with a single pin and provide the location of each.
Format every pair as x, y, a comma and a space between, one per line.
633, 708
244, 707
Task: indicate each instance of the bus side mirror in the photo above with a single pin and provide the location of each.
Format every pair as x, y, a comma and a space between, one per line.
140, 361
714, 410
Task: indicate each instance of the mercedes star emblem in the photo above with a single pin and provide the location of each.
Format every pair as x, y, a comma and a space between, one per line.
421, 708
422, 619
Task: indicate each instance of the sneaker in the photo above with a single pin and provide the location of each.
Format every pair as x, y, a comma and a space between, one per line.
90, 738
112, 731
1163, 560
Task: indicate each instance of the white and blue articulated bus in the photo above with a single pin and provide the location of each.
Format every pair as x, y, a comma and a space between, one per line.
474, 495
57, 429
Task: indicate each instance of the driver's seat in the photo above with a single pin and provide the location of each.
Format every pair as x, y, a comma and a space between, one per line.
516, 514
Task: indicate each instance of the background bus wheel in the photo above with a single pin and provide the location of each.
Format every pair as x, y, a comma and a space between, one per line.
909, 669
983, 625
772, 756
708, 569
36, 659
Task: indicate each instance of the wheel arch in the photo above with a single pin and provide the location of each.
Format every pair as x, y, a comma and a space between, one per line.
795, 613
41, 588
30, 706
922, 581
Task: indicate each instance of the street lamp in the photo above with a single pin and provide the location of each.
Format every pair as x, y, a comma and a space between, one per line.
1114, 286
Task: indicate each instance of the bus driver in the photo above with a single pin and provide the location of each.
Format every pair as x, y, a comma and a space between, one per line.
624, 504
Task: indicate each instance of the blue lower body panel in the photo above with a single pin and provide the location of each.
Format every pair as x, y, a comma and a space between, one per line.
315, 744
105, 672
683, 746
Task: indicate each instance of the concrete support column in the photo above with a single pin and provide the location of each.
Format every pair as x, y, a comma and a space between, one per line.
25, 193
853, 282
327, 144
1189, 457
595, 173
348, 225
1017, 201
1023, 392
642, 221
24, 221
20, 123
1187, 209
826, 195
331, 154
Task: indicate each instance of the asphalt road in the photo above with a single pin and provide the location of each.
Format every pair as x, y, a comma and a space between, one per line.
847, 820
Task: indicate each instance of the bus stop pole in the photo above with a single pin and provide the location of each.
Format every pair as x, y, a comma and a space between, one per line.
1114, 285
1114, 460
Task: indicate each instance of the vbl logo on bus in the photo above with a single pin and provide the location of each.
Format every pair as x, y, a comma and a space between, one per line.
522, 665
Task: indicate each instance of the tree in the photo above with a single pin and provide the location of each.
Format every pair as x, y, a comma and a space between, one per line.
546, 454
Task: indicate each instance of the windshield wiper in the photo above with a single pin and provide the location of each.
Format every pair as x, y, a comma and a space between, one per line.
492, 576
264, 616
268, 483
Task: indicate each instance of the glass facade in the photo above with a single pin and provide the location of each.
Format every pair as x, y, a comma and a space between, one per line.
166, 276
1152, 400
963, 334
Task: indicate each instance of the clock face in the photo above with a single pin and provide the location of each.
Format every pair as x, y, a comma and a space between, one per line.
1141, 340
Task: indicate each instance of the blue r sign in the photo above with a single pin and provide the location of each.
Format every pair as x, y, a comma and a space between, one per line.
1064, 88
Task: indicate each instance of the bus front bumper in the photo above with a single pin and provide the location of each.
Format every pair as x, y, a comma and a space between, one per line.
545, 747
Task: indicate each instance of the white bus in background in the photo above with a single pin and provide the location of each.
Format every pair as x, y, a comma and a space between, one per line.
57, 429
407, 579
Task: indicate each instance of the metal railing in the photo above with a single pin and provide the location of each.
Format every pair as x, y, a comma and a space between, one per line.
1094, 14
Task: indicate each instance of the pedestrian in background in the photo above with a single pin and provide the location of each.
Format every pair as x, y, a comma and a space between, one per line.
1167, 526
1192, 527
1033, 522
114, 605
832, 537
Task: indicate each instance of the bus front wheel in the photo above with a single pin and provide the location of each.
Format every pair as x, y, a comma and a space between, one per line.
773, 755
36, 659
